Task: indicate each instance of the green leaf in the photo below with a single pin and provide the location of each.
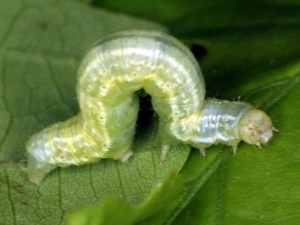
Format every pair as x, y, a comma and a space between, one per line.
246, 48
163, 196
116, 211
83, 1
111, 211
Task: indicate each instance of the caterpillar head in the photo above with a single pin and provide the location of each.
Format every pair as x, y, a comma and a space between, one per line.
255, 127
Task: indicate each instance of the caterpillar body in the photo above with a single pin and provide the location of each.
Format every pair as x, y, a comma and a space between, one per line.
108, 78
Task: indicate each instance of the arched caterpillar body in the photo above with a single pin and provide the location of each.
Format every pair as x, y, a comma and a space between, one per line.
108, 78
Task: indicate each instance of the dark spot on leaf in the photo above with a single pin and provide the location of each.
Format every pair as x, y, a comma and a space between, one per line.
42, 25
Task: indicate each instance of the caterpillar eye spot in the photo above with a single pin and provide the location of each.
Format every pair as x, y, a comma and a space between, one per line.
177, 91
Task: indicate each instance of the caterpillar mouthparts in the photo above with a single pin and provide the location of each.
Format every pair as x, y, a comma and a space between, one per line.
109, 76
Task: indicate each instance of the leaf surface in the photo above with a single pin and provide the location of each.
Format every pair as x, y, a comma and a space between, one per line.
246, 49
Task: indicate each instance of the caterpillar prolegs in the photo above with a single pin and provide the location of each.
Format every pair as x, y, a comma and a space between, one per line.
109, 76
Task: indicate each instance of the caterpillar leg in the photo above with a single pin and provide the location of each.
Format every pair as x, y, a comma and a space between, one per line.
202, 152
234, 149
37, 170
126, 156
164, 152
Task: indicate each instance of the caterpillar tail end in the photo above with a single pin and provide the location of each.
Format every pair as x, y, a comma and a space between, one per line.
37, 170
37, 165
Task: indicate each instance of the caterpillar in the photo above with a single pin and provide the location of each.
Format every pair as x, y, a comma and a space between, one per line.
108, 79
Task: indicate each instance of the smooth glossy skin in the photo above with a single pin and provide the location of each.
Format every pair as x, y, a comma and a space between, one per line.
219, 123
108, 78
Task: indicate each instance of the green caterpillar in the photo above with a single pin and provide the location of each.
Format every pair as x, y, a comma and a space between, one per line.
109, 76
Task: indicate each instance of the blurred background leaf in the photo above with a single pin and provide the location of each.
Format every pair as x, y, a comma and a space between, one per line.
116, 211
